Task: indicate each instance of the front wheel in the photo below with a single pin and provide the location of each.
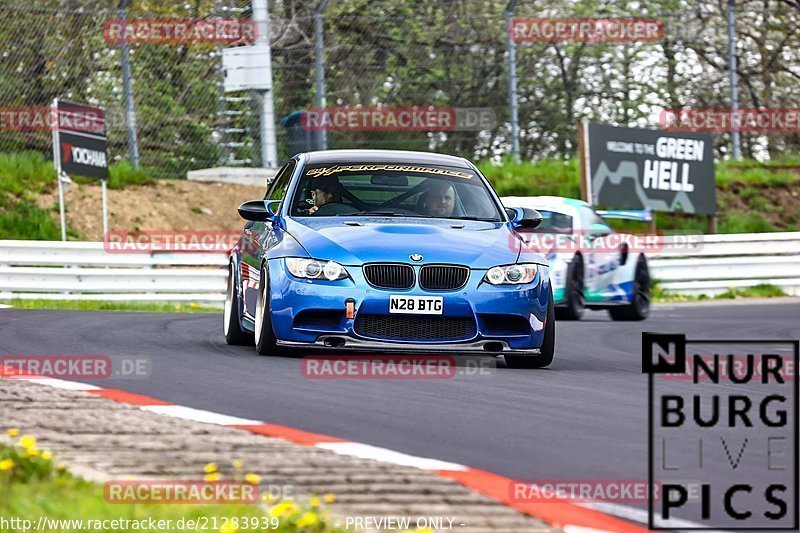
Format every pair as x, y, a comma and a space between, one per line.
265, 336
639, 308
575, 301
548, 344
234, 334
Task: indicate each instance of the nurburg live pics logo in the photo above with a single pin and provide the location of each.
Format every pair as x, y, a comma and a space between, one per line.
736, 431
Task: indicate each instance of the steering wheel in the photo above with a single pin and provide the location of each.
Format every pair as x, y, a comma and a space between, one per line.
305, 205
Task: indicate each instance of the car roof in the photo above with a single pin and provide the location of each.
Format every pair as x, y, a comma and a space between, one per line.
384, 156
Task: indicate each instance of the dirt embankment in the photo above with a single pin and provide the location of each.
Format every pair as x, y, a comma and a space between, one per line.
185, 205
162, 206
779, 205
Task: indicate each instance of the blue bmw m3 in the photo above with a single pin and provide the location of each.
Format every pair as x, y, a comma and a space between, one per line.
388, 251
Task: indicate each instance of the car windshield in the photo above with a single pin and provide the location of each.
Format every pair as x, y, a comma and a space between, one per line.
425, 191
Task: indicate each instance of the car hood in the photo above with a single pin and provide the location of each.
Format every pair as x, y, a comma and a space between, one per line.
380, 239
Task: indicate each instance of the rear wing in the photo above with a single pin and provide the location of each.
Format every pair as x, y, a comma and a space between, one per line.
644, 215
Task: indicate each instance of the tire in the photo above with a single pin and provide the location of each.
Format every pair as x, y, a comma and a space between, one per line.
548, 344
574, 289
264, 335
232, 327
639, 308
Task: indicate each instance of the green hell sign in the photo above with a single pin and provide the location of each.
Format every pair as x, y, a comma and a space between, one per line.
629, 168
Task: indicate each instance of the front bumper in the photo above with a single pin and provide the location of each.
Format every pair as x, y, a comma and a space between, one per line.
355, 344
507, 319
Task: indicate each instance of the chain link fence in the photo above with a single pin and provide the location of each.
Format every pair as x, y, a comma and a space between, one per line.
449, 54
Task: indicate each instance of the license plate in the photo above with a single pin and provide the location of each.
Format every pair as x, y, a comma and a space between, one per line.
420, 305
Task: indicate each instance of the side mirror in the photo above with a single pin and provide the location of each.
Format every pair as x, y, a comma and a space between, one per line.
259, 210
524, 217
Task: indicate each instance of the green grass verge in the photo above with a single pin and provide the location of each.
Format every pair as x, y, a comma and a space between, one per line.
764, 290
548, 177
25, 176
122, 174
737, 182
31, 486
99, 305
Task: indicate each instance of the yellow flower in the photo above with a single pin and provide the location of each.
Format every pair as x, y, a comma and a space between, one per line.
27, 442
314, 501
253, 479
285, 508
13, 432
192, 304
6, 464
215, 476
329, 498
237, 463
32, 452
47, 456
425, 530
210, 468
308, 519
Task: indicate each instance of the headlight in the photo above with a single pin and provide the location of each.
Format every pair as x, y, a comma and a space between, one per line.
511, 274
315, 269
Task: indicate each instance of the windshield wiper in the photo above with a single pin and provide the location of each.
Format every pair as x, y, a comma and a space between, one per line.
481, 219
377, 213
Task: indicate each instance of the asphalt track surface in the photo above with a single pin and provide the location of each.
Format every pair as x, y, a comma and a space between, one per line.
583, 418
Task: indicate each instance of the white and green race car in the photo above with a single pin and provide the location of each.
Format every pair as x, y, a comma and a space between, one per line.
591, 265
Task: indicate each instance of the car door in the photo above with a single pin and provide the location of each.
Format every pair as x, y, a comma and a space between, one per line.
259, 237
601, 257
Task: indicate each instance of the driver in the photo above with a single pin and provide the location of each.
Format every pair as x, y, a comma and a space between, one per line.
439, 200
326, 191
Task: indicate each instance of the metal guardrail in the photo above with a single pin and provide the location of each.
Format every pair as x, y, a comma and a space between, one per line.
712, 264
86, 271
687, 264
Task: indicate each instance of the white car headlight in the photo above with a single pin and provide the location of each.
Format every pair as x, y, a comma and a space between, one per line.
315, 269
512, 274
